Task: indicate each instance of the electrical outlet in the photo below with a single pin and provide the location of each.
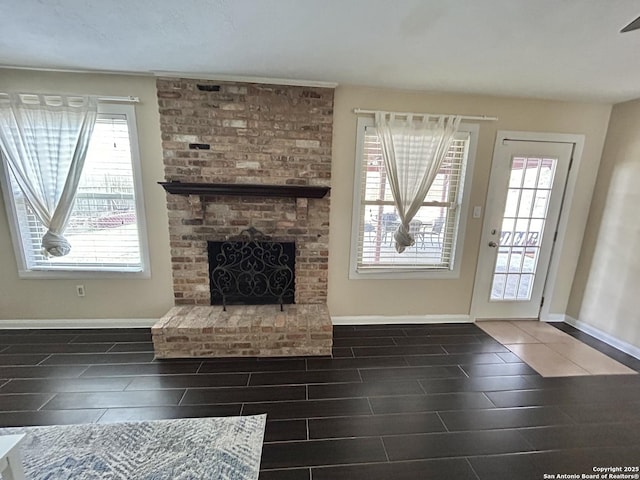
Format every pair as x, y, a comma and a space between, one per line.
477, 212
80, 290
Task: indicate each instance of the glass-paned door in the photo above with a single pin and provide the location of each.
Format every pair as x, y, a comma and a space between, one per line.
523, 223
526, 190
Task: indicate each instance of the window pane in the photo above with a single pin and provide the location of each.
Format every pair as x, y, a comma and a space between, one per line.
434, 227
103, 228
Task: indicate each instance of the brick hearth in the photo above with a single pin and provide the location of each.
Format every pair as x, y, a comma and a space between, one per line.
230, 133
243, 330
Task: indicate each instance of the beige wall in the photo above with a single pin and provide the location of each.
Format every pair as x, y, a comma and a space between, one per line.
453, 296
113, 298
108, 298
607, 282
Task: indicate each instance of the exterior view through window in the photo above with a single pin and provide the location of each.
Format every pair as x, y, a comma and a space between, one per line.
435, 227
103, 229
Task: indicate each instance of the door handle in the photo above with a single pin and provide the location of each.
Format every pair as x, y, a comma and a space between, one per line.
493, 244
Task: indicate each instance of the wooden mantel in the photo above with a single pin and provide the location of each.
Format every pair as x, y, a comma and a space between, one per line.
291, 191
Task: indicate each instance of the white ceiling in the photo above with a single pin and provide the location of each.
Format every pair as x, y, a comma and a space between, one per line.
558, 49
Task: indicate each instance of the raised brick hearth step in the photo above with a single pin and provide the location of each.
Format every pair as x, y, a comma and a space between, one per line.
243, 331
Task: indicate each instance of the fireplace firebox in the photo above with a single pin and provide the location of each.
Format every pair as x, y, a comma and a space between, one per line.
252, 270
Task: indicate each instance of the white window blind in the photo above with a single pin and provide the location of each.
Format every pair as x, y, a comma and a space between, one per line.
103, 229
435, 227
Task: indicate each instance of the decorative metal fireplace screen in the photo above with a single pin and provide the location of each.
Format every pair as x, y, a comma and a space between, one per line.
252, 271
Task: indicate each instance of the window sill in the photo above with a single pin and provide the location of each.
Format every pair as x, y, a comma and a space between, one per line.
399, 274
81, 274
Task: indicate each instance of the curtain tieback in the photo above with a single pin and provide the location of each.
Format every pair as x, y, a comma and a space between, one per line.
403, 238
55, 245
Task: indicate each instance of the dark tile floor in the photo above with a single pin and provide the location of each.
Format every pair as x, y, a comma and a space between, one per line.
396, 402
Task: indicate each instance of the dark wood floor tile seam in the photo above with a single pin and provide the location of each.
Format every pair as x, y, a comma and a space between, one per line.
132, 375
446, 429
184, 394
328, 440
564, 450
424, 390
284, 442
286, 468
198, 370
90, 364
31, 410
325, 417
41, 362
488, 398
600, 389
515, 431
301, 384
373, 413
306, 421
361, 367
100, 417
114, 355
47, 377
348, 437
380, 395
398, 351
384, 449
45, 403
445, 432
473, 470
267, 388
479, 411
197, 387
27, 395
319, 468
379, 328
266, 372
491, 429
594, 425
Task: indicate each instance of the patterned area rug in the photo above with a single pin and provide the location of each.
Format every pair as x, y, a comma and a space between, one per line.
187, 449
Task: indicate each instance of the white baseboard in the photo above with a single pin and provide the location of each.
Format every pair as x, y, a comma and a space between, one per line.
398, 319
78, 323
603, 336
554, 317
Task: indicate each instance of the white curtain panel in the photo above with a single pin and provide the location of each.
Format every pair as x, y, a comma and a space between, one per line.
44, 141
413, 148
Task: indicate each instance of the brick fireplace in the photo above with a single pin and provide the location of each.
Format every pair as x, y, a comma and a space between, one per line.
227, 134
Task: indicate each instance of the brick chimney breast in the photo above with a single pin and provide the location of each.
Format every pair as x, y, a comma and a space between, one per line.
255, 134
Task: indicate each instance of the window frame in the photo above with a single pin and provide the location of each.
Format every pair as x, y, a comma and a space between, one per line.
128, 110
410, 272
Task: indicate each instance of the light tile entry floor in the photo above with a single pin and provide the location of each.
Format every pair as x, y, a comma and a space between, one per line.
549, 351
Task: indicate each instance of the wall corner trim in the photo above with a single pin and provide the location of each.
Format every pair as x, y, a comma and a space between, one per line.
399, 319
603, 336
77, 323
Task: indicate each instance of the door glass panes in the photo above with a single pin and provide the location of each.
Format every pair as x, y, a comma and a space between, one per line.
523, 224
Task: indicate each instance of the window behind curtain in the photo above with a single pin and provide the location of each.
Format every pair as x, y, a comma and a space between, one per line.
103, 228
435, 226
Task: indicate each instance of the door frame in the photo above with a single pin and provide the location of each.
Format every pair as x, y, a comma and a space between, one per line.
570, 186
